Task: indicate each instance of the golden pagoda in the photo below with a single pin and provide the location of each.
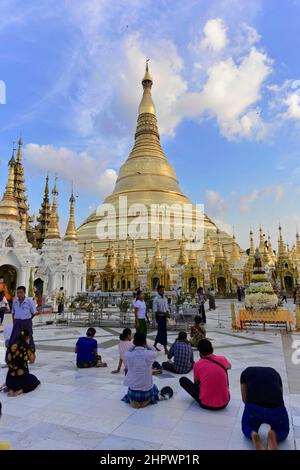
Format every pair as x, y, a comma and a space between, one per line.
148, 178
8, 204
44, 217
71, 234
53, 229
20, 193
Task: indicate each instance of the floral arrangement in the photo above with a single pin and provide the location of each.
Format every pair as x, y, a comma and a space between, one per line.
261, 301
260, 294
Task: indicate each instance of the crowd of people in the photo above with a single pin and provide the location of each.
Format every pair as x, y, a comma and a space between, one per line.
261, 387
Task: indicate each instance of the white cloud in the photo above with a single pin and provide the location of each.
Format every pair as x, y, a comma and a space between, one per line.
86, 172
215, 203
292, 103
230, 95
215, 35
275, 192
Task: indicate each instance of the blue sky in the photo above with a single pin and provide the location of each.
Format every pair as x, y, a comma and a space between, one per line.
226, 88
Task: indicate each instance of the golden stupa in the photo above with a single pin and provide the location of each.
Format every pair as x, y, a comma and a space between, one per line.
148, 178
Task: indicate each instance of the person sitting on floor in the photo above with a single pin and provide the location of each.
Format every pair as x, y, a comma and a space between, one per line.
18, 379
124, 345
210, 388
198, 331
261, 389
87, 351
139, 360
183, 356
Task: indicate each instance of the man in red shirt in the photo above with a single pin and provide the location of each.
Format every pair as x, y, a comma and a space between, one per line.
211, 387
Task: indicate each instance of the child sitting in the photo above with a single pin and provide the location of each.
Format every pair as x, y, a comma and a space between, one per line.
197, 331
124, 345
87, 351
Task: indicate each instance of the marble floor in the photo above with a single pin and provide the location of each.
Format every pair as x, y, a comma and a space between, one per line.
82, 408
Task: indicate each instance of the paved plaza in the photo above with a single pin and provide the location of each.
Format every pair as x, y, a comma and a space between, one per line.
82, 408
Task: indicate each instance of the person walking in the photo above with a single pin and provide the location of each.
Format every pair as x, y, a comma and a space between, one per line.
161, 312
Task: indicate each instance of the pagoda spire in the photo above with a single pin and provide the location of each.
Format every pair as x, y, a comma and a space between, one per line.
220, 252
271, 251
92, 263
252, 249
71, 234
235, 252
8, 204
53, 229
146, 260
209, 253
297, 245
126, 254
261, 242
147, 105
44, 216
118, 259
157, 253
281, 248
183, 258
20, 188
134, 256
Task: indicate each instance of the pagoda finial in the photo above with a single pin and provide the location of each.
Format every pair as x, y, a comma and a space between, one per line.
19, 154
71, 234
8, 205
53, 229
147, 105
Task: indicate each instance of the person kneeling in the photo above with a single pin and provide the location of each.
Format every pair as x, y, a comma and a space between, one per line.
261, 389
18, 379
87, 351
183, 356
210, 388
139, 360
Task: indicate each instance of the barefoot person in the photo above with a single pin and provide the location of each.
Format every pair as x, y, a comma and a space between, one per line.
18, 379
140, 311
261, 389
183, 356
23, 311
124, 345
210, 388
198, 331
139, 360
87, 351
161, 312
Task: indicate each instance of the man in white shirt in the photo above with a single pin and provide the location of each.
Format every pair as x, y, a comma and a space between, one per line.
23, 311
161, 312
139, 360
